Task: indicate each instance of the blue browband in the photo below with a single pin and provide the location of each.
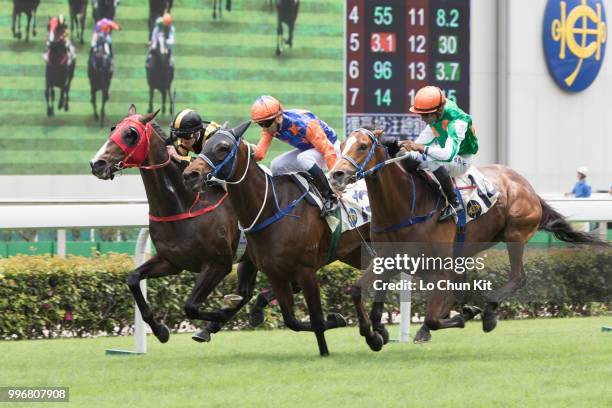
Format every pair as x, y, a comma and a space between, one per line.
230, 157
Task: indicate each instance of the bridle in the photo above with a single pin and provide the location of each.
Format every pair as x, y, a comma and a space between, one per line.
135, 155
361, 172
230, 159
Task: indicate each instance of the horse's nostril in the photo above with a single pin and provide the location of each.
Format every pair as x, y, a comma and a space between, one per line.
191, 177
98, 165
338, 174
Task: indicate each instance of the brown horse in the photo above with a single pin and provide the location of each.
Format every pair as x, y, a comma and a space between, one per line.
518, 213
287, 238
190, 232
60, 68
287, 12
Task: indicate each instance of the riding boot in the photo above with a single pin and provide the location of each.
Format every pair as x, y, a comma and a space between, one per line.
453, 206
330, 201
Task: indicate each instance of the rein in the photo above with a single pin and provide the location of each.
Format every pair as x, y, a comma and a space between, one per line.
231, 157
413, 219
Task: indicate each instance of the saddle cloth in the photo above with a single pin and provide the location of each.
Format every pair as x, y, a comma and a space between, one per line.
477, 193
356, 209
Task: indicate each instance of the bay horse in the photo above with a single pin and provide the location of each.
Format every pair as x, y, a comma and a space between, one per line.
160, 73
27, 7
60, 70
157, 8
192, 232
218, 4
287, 12
287, 239
100, 73
78, 15
103, 9
397, 194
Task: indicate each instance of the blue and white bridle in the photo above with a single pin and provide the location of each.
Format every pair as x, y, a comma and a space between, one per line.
361, 166
230, 158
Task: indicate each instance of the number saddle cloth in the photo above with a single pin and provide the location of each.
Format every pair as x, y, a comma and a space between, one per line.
353, 214
478, 195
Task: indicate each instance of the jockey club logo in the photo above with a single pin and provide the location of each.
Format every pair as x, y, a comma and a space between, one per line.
473, 209
574, 41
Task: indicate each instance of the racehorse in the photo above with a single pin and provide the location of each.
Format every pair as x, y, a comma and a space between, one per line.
287, 11
157, 8
60, 69
193, 232
104, 9
78, 15
228, 7
160, 73
396, 195
100, 73
287, 239
28, 7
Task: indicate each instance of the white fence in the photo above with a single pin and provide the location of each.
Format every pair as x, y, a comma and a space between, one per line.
78, 213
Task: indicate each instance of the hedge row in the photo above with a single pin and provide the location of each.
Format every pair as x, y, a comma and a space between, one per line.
44, 296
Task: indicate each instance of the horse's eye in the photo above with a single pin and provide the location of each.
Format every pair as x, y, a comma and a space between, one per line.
363, 147
131, 137
221, 151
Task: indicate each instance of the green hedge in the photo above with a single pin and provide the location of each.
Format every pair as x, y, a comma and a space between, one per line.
44, 296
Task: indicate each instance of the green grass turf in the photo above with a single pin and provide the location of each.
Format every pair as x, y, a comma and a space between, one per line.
221, 67
534, 363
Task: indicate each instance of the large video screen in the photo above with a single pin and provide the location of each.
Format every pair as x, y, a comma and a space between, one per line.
222, 64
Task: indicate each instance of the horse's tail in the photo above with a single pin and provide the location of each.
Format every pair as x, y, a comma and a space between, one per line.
552, 221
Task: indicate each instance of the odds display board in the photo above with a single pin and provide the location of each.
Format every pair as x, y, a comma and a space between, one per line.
395, 47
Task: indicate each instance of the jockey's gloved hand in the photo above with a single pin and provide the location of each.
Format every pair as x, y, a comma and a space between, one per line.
391, 143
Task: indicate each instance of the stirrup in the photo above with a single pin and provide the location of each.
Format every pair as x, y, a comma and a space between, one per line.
448, 212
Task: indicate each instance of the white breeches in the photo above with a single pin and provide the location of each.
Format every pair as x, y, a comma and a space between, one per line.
296, 160
456, 167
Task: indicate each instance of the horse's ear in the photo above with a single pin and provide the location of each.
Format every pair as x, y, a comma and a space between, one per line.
132, 110
378, 133
239, 130
150, 116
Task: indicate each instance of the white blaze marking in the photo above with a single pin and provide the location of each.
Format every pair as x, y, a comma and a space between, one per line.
101, 151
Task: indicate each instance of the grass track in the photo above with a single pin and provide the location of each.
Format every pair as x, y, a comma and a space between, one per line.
535, 363
221, 67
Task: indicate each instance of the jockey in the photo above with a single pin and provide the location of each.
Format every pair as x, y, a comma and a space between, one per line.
190, 132
446, 145
103, 29
316, 143
58, 24
164, 25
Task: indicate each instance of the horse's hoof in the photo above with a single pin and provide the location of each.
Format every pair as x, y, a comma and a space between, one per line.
382, 330
277, 51
338, 319
256, 318
422, 336
163, 334
489, 321
375, 342
49, 112
470, 312
201, 336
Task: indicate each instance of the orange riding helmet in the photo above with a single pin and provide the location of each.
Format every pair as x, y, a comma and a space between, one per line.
167, 19
428, 100
265, 107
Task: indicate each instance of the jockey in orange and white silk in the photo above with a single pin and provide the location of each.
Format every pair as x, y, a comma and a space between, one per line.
314, 140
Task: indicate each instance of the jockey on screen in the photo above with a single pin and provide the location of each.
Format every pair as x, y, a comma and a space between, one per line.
103, 29
446, 145
163, 25
316, 143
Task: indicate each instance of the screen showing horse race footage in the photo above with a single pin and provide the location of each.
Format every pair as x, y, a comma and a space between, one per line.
71, 69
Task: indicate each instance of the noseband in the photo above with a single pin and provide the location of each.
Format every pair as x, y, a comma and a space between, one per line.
361, 166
